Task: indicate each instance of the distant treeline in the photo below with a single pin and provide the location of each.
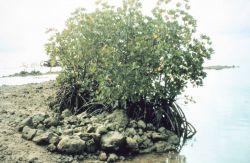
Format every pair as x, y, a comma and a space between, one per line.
219, 67
25, 73
31, 73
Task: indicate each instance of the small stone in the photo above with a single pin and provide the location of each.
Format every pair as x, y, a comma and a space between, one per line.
28, 133
81, 157
71, 120
40, 126
133, 124
146, 142
150, 126
163, 146
101, 130
140, 132
174, 139
66, 113
103, 156
51, 148
33, 160
112, 158
51, 122
90, 129
141, 124
119, 118
25, 122
132, 144
68, 132
39, 118
111, 126
91, 146
54, 140
71, 145
147, 150
148, 134
43, 139
162, 130
113, 141
138, 139
122, 158
82, 116
130, 131
158, 136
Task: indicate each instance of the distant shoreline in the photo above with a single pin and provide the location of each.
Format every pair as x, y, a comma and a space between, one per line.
220, 67
31, 73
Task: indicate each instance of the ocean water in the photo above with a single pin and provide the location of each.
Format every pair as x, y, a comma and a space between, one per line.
221, 116
12, 69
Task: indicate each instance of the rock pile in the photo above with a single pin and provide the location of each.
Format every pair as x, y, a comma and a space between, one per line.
107, 135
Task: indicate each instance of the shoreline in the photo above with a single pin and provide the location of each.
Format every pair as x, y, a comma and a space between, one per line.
30, 74
220, 67
20, 101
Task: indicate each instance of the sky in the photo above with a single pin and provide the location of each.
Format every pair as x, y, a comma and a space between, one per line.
23, 25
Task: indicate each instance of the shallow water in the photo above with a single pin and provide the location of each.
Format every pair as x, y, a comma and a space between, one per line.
27, 79
221, 116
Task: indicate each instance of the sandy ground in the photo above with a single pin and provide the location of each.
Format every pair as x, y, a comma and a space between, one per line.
18, 102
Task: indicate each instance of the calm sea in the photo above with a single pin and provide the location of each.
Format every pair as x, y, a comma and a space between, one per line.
12, 68
221, 116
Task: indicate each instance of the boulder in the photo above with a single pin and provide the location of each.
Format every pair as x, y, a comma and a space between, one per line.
28, 133
113, 141
71, 145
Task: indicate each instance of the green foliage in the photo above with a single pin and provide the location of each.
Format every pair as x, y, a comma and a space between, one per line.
120, 57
